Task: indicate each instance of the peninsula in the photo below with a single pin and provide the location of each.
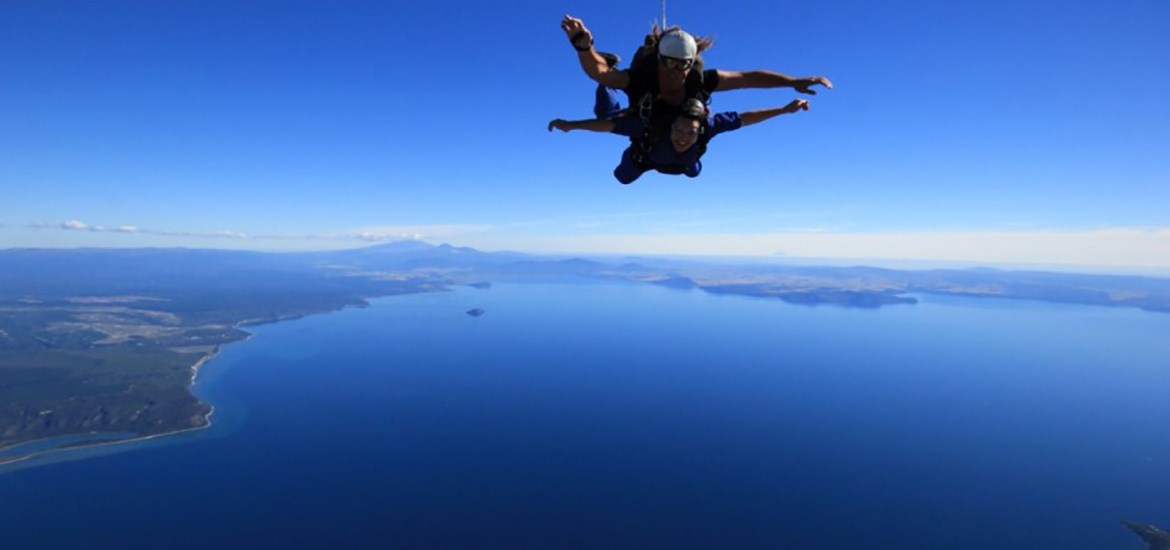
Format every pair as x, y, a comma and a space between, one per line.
102, 345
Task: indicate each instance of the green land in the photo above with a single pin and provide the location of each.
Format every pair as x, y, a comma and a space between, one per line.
108, 342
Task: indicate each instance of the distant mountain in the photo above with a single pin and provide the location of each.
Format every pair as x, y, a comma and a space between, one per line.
414, 255
397, 247
147, 315
97, 271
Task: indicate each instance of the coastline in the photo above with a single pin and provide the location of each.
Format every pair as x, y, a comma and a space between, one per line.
195, 369
85, 446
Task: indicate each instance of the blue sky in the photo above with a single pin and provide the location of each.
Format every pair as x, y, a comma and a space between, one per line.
1021, 132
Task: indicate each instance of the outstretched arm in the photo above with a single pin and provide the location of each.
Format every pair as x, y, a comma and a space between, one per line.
592, 124
735, 80
591, 63
752, 117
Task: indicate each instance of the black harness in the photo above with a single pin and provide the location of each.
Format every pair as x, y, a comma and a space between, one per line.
644, 86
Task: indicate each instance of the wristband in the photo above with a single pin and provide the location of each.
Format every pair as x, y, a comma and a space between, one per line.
573, 42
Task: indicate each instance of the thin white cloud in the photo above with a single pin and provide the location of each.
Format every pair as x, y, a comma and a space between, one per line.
674, 222
368, 234
1123, 246
1147, 247
78, 225
380, 237
389, 233
592, 221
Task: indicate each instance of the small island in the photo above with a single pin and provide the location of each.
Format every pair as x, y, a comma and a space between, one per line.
99, 346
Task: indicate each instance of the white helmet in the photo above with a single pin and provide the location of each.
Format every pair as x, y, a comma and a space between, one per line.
677, 44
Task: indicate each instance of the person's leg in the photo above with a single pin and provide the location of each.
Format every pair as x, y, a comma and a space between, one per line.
629, 169
606, 102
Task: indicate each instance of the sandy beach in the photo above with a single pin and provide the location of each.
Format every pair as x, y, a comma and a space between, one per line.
195, 369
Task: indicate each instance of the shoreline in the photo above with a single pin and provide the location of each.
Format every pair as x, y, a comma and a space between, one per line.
195, 368
83, 446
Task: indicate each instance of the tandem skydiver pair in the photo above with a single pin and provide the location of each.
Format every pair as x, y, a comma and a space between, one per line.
667, 117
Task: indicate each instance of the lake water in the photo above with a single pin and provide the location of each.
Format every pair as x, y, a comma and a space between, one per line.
599, 415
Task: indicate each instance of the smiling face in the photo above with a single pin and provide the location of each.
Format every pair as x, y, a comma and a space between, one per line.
684, 133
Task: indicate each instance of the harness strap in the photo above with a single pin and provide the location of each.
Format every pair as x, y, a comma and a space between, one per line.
644, 107
644, 143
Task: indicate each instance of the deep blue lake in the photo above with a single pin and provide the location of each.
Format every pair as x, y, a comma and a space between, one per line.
607, 415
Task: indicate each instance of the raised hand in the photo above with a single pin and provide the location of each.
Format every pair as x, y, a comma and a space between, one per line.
576, 32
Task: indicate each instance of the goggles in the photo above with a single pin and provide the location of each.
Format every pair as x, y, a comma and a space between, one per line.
675, 63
